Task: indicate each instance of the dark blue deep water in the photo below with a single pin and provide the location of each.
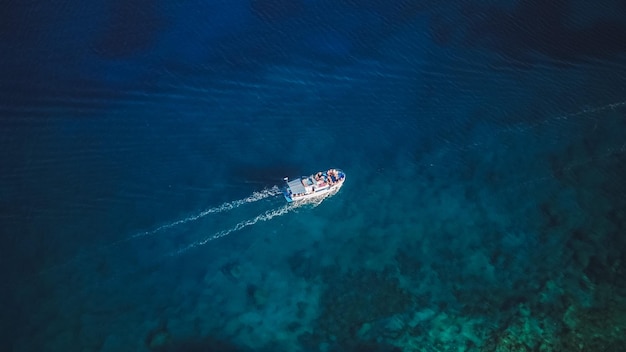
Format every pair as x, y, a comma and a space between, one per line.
143, 145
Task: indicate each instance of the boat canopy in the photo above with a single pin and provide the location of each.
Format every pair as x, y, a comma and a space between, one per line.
296, 186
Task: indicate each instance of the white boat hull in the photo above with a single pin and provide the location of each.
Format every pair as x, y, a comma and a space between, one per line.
315, 186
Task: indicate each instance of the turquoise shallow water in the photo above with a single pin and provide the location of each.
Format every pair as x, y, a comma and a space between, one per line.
144, 145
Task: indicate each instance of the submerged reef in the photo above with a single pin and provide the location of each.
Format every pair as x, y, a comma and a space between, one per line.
161, 340
351, 303
579, 329
553, 282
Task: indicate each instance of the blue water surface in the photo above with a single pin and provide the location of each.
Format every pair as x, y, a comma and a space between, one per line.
144, 144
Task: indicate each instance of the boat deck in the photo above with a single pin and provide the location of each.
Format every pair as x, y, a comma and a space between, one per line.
308, 186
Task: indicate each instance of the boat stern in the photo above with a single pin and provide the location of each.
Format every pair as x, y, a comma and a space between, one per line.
287, 190
287, 195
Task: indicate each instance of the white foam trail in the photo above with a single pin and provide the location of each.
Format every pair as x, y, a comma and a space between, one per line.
268, 215
254, 197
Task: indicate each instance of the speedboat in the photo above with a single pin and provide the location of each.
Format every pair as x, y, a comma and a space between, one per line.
313, 186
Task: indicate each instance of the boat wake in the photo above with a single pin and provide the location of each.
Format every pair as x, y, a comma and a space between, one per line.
225, 207
130, 262
254, 197
266, 216
161, 249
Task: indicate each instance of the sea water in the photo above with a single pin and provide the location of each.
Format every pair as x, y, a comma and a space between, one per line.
144, 146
